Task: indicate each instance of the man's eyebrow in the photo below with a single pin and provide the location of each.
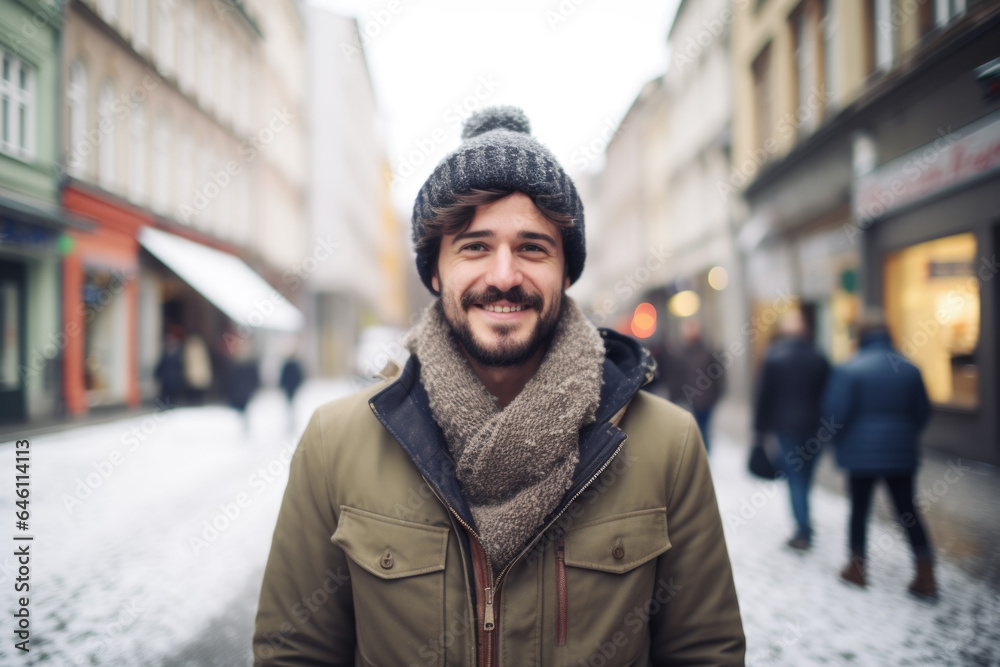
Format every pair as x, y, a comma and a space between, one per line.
536, 236
483, 234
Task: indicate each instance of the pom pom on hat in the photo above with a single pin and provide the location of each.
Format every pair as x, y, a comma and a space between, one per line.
496, 118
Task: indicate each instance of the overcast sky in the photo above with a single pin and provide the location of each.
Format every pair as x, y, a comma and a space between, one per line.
574, 66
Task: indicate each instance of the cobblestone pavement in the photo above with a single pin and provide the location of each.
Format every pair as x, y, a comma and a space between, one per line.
153, 555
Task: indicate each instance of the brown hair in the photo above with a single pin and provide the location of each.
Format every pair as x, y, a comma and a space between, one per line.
457, 216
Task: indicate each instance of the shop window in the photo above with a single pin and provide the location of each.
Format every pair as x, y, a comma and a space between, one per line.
763, 102
17, 107
932, 307
10, 334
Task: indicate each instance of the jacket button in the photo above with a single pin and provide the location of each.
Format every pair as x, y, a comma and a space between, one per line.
619, 551
386, 560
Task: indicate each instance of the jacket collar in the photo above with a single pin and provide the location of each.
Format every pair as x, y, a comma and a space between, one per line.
403, 408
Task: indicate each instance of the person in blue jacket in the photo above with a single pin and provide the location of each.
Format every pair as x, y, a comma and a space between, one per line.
879, 399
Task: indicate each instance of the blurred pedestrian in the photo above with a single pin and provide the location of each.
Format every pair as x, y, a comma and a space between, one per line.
243, 377
880, 401
169, 370
197, 368
695, 377
787, 404
291, 379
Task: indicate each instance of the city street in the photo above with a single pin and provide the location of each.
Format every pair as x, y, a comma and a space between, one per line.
153, 556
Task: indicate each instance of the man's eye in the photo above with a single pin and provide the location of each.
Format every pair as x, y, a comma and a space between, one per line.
532, 247
475, 247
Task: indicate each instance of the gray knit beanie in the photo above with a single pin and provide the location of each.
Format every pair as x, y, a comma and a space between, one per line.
499, 153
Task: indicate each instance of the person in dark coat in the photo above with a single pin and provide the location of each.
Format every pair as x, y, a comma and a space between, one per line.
170, 371
696, 379
291, 379
789, 393
243, 379
880, 399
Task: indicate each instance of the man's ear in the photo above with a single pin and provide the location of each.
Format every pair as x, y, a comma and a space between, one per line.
435, 283
566, 283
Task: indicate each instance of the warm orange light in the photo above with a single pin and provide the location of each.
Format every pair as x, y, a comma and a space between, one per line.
644, 321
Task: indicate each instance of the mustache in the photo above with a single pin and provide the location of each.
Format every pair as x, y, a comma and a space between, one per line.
516, 295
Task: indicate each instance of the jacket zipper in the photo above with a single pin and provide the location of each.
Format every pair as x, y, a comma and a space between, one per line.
562, 603
489, 653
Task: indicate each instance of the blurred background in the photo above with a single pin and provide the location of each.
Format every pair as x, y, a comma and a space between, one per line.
205, 205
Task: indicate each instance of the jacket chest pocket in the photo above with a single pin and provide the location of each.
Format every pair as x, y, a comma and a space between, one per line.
605, 581
397, 575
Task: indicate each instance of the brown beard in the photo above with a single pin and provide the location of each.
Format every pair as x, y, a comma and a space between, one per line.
506, 354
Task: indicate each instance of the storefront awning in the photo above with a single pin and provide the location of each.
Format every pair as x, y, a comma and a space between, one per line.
225, 280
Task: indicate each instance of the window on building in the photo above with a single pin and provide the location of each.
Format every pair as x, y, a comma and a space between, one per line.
206, 67
76, 102
140, 24
831, 70
804, 24
187, 50
138, 154
107, 146
945, 11
17, 107
165, 36
161, 165
932, 305
880, 34
763, 102
185, 176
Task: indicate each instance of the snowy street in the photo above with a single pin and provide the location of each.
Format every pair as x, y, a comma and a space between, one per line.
151, 535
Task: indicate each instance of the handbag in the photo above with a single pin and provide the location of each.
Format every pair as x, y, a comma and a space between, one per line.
761, 464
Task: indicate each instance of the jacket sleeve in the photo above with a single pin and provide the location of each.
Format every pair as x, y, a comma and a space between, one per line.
305, 616
921, 404
838, 400
700, 623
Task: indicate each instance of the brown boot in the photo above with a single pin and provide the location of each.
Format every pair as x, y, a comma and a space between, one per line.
854, 572
923, 584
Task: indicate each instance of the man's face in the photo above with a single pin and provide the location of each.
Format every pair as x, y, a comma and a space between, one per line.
501, 282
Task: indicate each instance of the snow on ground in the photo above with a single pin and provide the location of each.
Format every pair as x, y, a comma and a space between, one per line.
146, 529
796, 611
119, 576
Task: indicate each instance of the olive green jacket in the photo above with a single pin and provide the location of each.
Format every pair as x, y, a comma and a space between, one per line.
374, 560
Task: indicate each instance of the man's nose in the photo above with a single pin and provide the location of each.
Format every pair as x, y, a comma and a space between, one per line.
503, 272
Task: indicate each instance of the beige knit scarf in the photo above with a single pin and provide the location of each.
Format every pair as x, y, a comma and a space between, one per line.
514, 464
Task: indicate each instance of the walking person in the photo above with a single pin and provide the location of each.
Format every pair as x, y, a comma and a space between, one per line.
880, 399
695, 377
242, 379
290, 380
787, 404
505, 497
169, 370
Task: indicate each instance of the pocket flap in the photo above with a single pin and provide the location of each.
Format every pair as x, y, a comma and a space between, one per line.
390, 548
619, 543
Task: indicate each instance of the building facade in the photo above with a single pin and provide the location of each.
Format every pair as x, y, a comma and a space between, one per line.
172, 122
34, 231
863, 152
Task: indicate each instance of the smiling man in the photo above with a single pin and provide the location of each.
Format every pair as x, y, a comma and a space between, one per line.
511, 496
